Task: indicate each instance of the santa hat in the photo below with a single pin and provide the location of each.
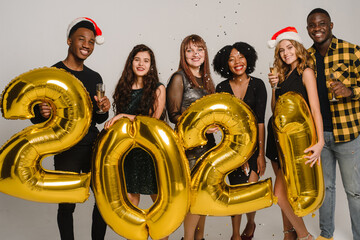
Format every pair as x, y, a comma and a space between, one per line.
289, 33
99, 39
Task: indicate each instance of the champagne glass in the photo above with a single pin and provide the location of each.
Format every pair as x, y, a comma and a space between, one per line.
331, 80
273, 71
100, 93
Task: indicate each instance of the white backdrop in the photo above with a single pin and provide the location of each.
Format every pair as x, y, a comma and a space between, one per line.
34, 35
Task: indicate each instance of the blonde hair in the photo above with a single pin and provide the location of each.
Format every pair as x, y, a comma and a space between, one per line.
302, 54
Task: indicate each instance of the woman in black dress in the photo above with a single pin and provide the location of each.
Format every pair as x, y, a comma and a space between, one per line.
139, 92
293, 73
235, 63
191, 82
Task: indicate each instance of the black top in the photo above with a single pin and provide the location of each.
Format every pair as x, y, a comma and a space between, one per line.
323, 93
255, 96
135, 102
292, 83
89, 79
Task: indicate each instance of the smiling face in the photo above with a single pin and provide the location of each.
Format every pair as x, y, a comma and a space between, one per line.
319, 27
141, 64
237, 63
81, 43
287, 53
194, 55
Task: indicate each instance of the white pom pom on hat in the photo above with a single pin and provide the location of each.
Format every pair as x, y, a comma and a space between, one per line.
99, 39
289, 33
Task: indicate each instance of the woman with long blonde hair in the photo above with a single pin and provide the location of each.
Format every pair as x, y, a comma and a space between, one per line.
293, 73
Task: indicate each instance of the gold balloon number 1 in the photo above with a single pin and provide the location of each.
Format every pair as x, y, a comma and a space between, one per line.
295, 131
21, 173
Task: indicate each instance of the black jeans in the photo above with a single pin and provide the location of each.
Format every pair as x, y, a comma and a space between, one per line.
76, 159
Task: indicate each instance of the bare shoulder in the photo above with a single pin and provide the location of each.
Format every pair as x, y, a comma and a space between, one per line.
160, 88
308, 72
308, 76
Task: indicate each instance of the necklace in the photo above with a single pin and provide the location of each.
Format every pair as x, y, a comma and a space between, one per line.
240, 80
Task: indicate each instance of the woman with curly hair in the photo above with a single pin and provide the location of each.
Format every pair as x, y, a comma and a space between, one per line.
139, 92
235, 63
294, 72
191, 82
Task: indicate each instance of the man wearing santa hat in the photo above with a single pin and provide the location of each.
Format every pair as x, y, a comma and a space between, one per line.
82, 34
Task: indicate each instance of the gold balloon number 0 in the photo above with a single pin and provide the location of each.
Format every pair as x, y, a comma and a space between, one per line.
21, 173
172, 204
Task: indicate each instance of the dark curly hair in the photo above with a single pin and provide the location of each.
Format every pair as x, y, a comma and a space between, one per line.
122, 94
220, 62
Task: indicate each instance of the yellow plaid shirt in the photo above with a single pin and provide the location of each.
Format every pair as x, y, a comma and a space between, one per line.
343, 59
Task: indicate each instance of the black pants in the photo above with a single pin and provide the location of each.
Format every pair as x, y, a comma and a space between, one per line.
76, 159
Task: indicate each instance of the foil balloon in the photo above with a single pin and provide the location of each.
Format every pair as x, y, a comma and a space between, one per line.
21, 173
210, 195
172, 171
295, 131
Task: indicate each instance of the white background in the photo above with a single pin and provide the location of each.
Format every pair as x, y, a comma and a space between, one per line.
34, 35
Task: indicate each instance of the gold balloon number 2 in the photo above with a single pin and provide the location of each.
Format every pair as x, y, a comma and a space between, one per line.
21, 173
210, 195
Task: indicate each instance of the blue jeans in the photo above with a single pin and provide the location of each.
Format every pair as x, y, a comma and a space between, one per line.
348, 156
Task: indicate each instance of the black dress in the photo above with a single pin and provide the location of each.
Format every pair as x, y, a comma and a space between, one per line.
292, 83
139, 166
180, 94
255, 97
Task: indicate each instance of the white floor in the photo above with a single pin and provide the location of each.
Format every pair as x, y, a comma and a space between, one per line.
24, 220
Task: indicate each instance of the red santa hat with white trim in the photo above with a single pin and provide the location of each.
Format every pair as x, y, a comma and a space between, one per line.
288, 33
87, 23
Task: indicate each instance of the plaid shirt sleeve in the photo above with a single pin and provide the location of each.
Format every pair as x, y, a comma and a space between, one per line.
343, 59
356, 88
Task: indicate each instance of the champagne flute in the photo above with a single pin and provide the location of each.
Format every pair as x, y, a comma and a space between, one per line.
100, 93
273, 71
332, 79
